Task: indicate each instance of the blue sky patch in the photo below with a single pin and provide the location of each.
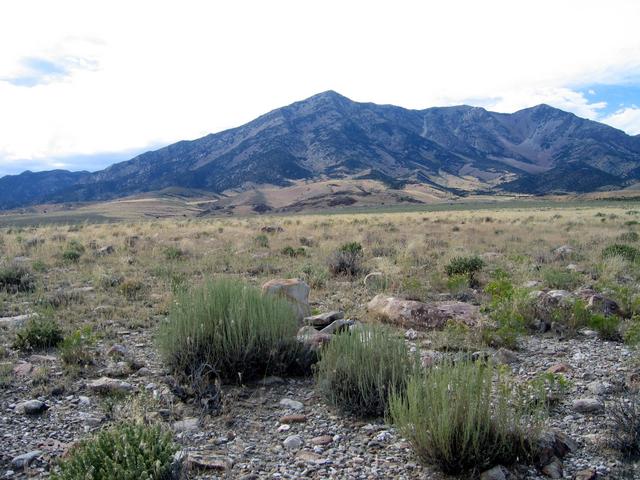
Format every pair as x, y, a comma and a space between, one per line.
617, 97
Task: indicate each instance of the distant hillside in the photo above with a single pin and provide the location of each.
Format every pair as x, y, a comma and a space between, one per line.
451, 149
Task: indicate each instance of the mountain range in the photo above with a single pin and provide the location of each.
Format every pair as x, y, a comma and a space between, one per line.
451, 151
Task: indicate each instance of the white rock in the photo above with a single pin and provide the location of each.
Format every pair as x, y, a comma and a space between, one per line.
293, 442
292, 404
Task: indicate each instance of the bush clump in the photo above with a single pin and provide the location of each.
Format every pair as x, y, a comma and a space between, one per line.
359, 369
16, 278
235, 330
73, 251
38, 333
289, 251
466, 266
627, 252
347, 260
125, 452
464, 417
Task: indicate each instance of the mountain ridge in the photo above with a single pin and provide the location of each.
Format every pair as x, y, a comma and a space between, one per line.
328, 136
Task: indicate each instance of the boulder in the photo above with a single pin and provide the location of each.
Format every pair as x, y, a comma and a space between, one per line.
294, 290
419, 315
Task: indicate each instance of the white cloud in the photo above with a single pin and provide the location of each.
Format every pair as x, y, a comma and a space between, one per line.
627, 119
161, 71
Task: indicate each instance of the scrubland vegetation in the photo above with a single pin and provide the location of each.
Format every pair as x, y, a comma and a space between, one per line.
171, 313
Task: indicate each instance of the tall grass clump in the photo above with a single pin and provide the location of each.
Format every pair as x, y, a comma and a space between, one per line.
627, 252
234, 330
125, 452
359, 369
464, 417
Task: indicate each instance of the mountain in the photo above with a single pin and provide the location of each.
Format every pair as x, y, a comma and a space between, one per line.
454, 150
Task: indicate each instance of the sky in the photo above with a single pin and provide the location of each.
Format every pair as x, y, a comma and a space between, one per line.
84, 84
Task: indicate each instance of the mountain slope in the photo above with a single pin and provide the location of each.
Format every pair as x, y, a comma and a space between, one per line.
328, 136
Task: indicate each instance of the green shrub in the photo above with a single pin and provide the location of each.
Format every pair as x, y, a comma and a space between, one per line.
561, 279
262, 240
38, 333
315, 276
73, 251
239, 333
124, 452
75, 348
606, 326
173, 253
357, 370
464, 417
627, 252
467, 266
293, 252
39, 266
351, 247
16, 278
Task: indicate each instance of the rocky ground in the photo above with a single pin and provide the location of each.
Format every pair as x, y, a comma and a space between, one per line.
280, 429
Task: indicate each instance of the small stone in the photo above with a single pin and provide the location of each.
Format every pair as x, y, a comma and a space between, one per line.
186, 425
505, 356
600, 388
588, 405
293, 419
495, 473
411, 334
322, 440
24, 460
310, 457
291, 404
84, 401
109, 385
217, 463
588, 474
293, 442
559, 368
553, 469
22, 369
117, 351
